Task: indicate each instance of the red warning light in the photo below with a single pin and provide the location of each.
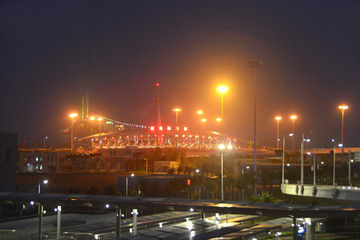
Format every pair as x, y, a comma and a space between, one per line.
157, 84
188, 182
152, 128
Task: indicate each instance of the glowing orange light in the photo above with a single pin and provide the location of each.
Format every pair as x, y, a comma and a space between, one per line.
92, 118
343, 107
157, 84
152, 128
222, 89
72, 115
185, 129
168, 128
293, 117
160, 128
278, 118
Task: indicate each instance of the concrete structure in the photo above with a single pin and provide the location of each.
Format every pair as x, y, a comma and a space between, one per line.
8, 159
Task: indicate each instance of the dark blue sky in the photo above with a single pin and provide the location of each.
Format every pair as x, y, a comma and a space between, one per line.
52, 52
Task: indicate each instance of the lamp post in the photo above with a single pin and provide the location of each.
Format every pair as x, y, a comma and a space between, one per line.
334, 163
255, 64
72, 116
218, 120
100, 120
203, 120
222, 90
45, 138
303, 140
314, 168
278, 118
293, 118
41, 209
342, 108
176, 110
92, 118
222, 147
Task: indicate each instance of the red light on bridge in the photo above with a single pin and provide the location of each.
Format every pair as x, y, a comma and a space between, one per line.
157, 84
185, 129
152, 128
160, 128
169, 128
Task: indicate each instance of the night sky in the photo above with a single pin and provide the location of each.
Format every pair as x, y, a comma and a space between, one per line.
53, 52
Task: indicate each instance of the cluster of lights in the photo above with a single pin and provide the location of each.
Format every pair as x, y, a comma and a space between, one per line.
168, 128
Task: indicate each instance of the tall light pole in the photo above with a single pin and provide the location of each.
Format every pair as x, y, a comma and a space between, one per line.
218, 120
41, 209
92, 118
72, 116
176, 110
303, 140
293, 118
255, 64
222, 147
45, 138
222, 90
342, 108
278, 118
199, 113
100, 120
203, 120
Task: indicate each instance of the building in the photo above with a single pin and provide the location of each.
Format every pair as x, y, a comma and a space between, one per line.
8, 159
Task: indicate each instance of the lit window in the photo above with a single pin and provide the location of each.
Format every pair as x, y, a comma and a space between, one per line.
36, 159
40, 158
36, 166
40, 167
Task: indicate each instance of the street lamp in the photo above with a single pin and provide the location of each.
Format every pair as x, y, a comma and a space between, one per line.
342, 108
45, 142
222, 90
334, 161
127, 184
92, 118
303, 140
42, 182
218, 120
72, 116
41, 209
278, 118
203, 120
255, 64
100, 120
176, 110
222, 147
293, 118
